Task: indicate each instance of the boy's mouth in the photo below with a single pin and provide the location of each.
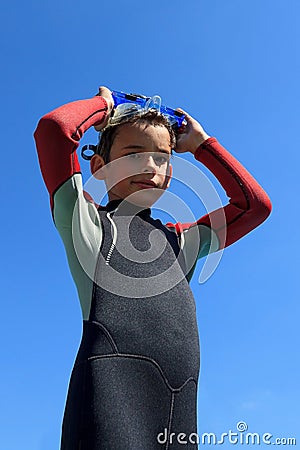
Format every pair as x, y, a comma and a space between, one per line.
145, 184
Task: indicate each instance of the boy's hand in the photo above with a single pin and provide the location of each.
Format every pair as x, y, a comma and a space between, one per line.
191, 136
106, 94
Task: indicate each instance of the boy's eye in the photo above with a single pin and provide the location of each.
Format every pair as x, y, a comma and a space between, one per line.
134, 155
159, 159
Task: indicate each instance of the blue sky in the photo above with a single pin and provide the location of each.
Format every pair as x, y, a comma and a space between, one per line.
232, 64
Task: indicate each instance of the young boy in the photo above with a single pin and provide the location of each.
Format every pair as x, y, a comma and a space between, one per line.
134, 381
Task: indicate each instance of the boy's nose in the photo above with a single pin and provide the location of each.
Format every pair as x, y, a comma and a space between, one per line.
149, 163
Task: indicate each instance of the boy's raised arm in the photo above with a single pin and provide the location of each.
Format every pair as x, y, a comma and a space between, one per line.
248, 206
57, 138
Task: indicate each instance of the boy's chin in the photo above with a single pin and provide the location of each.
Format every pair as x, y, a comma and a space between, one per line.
145, 198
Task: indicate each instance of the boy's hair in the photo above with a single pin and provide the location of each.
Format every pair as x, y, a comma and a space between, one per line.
152, 117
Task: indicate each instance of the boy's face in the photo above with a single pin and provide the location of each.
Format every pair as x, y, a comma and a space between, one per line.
139, 169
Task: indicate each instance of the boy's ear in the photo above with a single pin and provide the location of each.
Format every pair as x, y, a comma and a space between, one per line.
96, 164
169, 175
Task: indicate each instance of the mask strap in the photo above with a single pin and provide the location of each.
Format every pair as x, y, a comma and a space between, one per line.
88, 151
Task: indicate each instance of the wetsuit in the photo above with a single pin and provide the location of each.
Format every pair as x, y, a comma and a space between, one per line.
136, 372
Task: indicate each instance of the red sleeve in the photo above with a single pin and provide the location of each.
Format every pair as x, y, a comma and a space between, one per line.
57, 138
249, 205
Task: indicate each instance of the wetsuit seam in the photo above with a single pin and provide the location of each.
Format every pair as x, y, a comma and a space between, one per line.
87, 118
232, 221
233, 174
107, 334
143, 358
170, 420
60, 185
238, 181
63, 182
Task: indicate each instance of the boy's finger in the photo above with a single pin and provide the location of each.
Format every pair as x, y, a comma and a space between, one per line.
181, 110
188, 118
105, 92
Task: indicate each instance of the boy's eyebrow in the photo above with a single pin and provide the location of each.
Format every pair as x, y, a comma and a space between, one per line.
139, 147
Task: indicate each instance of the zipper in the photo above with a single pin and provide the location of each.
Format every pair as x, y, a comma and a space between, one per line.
182, 240
114, 240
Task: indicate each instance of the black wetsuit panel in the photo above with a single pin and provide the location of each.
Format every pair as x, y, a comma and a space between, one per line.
136, 371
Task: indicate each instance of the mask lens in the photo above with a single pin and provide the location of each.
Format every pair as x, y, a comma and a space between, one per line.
123, 111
